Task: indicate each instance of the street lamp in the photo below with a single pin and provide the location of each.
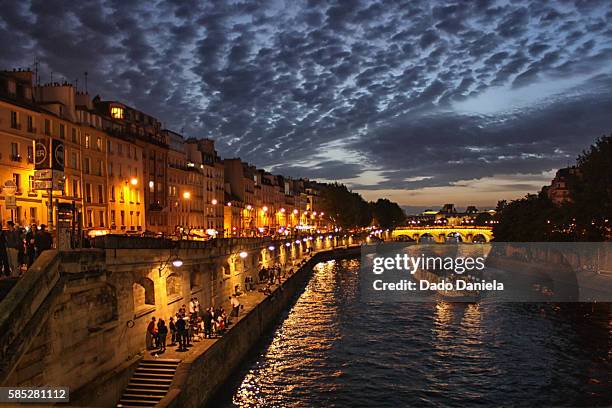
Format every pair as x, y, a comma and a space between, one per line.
187, 197
214, 201
134, 181
243, 254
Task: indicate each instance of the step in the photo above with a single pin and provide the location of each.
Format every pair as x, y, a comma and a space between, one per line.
152, 380
148, 386
140, 397
135, 403
145, 391
174, 361
156, 369
150, 374
156, 365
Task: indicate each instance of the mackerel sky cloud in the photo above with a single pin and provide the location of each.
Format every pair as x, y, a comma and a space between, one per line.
474, 101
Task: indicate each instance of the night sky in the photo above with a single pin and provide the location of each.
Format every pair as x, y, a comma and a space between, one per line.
422, 102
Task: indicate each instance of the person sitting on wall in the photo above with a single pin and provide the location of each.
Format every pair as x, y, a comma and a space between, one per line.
172, 331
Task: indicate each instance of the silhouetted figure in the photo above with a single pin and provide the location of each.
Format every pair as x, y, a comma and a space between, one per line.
181, 327
42, 240
172, 331
162, 333
4, 260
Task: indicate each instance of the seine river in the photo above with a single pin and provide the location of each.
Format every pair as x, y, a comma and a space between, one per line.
333, 350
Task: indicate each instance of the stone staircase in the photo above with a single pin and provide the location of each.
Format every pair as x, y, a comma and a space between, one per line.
149, 383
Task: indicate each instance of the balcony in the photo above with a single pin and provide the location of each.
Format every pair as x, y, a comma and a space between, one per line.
16, 157
16, 126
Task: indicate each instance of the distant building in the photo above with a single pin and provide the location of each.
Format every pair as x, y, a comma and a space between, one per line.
558, 191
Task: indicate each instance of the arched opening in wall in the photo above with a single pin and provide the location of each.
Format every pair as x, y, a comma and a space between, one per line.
454, 237
195, 280
143, 293
427, 239
173, 287
225, 269
479, 238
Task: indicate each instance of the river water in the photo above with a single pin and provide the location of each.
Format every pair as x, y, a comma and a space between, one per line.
334, 350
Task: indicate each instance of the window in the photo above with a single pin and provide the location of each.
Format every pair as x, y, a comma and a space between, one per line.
112, 218
112, 193
117, 112
99, 144
31, 184
15, 152
101, 218
31, 128
74, 136
30, 154
88, 192
86, 165
47, 127
75, 188
110, 168
89, 218
73, 160
33, 215
100, 194
14, 120
120, 149
62, 131
122, 218
109, 147
17, 180
99, 172
121, 195
87, 142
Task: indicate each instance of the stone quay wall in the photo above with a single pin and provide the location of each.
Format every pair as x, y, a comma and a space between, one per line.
86, 326
198, 379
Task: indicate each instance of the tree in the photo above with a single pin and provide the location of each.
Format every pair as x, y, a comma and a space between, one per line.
346, 208
387, 214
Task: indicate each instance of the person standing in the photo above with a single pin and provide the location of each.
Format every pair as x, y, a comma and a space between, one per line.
235, 306
4, 259
162, 333
172, 331
181, 327
43, 240
30, 247
208, 317
13, 242
151, 329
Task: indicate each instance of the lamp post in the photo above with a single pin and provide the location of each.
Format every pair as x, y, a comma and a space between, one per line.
187, 198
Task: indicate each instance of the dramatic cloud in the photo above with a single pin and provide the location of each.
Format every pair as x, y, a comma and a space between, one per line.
387, 96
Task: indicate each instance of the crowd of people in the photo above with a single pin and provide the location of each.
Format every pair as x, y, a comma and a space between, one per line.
189, 324
20, 246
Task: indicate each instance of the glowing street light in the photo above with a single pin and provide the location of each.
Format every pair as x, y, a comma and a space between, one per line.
243, 254
214, 201
134, 181
186, 195
177, 263
249, 207
265, 208
295, 211
271, 248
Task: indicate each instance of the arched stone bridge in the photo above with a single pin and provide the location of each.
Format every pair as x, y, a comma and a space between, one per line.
441, 233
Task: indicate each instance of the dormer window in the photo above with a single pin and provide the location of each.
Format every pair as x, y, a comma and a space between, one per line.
117, 112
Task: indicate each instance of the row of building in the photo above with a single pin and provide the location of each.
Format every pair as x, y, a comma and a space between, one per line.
125, 173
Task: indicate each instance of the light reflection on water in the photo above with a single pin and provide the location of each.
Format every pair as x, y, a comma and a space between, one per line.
335, 350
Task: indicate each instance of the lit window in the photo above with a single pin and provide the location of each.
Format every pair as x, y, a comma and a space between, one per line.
117, 112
